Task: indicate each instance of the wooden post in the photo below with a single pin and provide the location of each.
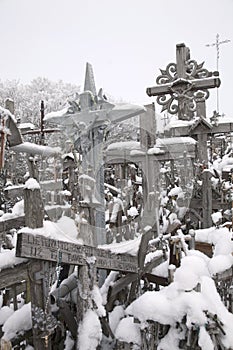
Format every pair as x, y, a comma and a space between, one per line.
171, 272
9, 104
42, 123
148, 127
33, 207
39, 286
39, 291
192, 240
206, 199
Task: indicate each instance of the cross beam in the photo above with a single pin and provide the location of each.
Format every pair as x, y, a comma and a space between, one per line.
183, 86
181, 80
42, 248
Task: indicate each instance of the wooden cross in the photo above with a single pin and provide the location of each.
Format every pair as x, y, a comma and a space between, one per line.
42, 131
42, 249
181, 81
144, 271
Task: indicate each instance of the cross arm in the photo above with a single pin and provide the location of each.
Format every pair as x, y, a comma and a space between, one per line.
193, 85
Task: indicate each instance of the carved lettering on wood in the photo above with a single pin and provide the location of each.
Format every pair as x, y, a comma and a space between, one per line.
43, 248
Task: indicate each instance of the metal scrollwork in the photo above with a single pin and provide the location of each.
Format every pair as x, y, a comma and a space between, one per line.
168, 75
181, 97
195, 70
168, 103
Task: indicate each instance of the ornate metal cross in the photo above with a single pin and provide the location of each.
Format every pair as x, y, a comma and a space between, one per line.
182, 80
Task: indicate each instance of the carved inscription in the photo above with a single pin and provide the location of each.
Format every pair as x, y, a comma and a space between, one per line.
43, 248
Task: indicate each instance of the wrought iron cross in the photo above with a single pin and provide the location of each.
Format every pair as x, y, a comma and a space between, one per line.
182, 80
217, 43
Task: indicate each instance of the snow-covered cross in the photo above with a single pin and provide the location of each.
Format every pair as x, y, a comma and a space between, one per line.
182, 80
85, 120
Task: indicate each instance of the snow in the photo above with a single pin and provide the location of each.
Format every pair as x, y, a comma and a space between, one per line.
128, 331
53, 116
155, 150
175, 191
17, 210
129, 145
129, 247
31, 184
179, 123
30, 126
19, 321
34, 149
5, 113
171, 304
115, 316
204, 340
97, 297
5, 313
8, 259
64, 230
90, 331
175, 140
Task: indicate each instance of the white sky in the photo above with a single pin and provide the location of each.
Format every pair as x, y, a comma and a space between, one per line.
127, 41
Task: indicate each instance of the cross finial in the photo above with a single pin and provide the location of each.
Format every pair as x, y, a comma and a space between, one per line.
217, 43
89, 84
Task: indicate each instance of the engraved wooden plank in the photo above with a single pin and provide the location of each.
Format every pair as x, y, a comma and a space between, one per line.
43, 248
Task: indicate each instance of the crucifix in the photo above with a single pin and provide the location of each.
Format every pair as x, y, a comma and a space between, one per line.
180, 81
187, 82
86, 121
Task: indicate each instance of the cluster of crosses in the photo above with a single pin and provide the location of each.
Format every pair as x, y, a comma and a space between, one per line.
182, 89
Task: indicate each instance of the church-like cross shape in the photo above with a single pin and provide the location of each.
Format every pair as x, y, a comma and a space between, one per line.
182, 80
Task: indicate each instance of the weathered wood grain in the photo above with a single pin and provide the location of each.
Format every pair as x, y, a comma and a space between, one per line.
43, 248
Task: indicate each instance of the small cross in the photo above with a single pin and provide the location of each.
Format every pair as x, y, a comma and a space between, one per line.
217, 43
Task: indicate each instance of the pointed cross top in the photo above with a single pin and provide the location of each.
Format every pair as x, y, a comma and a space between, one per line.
89, 84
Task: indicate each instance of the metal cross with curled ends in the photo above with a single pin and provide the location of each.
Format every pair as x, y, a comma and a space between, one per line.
179, 83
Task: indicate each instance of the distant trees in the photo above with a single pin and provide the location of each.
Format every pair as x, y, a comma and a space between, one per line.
27, 97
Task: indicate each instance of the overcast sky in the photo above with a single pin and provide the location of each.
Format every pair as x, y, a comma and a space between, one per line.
126, 41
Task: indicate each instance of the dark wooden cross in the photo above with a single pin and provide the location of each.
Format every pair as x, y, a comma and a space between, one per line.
42, 131
181, 80
45, 250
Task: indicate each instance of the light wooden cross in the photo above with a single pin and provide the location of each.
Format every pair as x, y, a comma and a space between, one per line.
181, 80
95, 112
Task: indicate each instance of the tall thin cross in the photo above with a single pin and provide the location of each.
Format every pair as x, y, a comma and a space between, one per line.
217, 43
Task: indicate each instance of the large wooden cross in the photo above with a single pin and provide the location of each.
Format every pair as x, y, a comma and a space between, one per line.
45, 251
181, 80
